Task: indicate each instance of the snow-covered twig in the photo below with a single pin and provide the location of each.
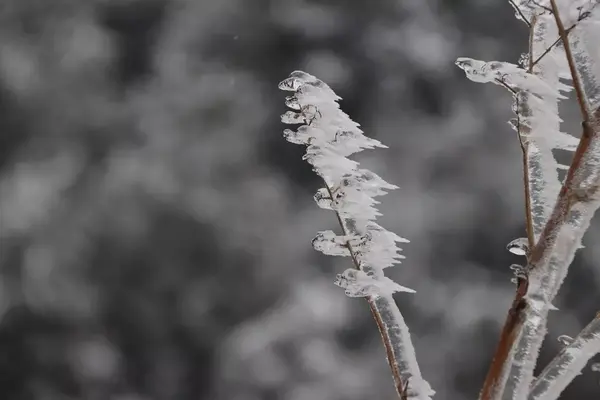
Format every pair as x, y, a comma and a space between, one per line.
330, 136
569, 362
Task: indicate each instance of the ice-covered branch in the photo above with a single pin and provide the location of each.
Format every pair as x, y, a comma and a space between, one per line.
569, 362
330, 136
577, 201
557, 214
536, 90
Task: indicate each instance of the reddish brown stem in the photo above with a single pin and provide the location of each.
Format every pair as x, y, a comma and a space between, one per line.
512, 326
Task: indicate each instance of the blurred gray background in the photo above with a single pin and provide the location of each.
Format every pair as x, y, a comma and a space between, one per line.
155, 227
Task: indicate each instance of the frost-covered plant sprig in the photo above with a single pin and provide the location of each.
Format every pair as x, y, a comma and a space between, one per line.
562, 45
330, 136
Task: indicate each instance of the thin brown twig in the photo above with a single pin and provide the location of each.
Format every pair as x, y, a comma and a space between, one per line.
512, 326
520, 13
526, 185
524, 148
580, 18
557, 41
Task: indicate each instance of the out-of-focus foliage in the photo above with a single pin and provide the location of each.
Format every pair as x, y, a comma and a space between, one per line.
155, 227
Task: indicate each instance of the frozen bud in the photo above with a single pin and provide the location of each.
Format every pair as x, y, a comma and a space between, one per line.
524, 60
519, 272
292, 102
323, 199
310, 113
519, 247
338, 194
290, 84
359, 284
299, 136
515, 125
297, 79
354, 282
517, 269
290, 117
327, 242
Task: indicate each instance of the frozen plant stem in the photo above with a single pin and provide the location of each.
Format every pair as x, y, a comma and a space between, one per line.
330, 136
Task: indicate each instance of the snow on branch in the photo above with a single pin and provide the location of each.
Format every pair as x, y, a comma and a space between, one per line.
569, 362
330, 136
